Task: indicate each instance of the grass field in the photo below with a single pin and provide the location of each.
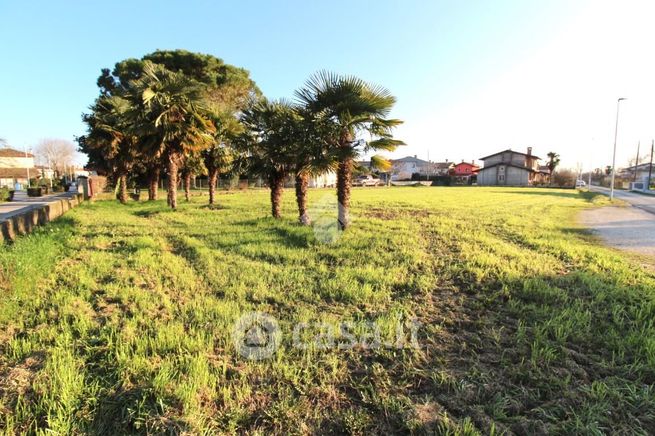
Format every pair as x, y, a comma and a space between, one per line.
118, 319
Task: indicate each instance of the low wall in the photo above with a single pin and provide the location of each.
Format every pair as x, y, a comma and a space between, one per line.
23, 221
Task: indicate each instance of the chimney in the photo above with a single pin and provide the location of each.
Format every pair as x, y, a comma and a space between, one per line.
529, 151
446, 160
415, 156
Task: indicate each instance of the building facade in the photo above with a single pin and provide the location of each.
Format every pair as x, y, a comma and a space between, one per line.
465, 173
15, 165
511, 168
404, 168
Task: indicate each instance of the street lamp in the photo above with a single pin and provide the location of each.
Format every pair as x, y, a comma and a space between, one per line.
616, 130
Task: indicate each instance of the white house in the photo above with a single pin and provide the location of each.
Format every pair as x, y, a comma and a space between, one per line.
511, 168
638, 173
402, 169
326, 180
15, 166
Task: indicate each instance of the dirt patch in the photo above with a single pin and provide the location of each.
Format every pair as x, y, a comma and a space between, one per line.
16, 381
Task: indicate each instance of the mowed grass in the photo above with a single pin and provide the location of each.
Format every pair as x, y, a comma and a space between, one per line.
118, 319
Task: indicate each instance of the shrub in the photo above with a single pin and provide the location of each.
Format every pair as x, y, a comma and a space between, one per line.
564, 179
35, 192
6, 194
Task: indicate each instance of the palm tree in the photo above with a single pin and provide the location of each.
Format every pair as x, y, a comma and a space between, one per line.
218, 160
110, 134
553, 162
353, 107
175, 121
220, 156
312, 155
193, 165
269, 144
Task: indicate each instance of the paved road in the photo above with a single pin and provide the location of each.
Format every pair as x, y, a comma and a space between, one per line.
22, 202
629, 228
641, 201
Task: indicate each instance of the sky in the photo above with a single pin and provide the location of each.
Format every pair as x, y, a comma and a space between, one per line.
471, 77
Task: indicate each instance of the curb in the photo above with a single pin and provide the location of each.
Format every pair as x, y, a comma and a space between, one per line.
24, 221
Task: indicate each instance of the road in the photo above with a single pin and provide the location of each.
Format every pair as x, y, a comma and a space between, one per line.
629, 228
640, 201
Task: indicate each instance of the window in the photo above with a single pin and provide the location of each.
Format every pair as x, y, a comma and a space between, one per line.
501, 177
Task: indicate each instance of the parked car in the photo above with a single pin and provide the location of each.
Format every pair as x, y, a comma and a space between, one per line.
367, 181
580, 183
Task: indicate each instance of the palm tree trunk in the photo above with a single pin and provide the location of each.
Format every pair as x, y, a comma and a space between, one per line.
277, 186
172, 180
344, 182
187, 186
302, 183
122, 187
213, 178
153, 184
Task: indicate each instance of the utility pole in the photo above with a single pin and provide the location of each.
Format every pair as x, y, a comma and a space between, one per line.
650, 168
637, 161
616, 132
28, 169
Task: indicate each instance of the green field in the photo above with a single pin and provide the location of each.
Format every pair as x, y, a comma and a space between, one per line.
118, 319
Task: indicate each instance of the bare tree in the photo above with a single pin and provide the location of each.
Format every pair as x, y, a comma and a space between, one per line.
55, 153
3, 142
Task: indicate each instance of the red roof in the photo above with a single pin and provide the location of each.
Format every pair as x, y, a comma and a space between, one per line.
10, 152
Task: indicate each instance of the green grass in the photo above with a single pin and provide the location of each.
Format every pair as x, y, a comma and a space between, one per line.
118, 319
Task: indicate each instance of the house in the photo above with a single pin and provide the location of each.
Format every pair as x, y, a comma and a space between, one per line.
325, 180
402, 169
442, 168
465, 173
638, 173
511, 168
15, 165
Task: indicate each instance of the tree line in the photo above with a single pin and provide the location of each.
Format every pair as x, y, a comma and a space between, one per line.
180, 113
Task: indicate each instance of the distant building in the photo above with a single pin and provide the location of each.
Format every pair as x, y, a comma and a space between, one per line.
637, 172
402, 169
14, 167
465, 173
511, 168
442, 168
325, 180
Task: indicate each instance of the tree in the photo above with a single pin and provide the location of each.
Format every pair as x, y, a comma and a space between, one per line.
220, 156
353, 107
268, 141
3, 142
55, 153
608, 170
111, 138
193, 165
226, 89
553, 161
175, 120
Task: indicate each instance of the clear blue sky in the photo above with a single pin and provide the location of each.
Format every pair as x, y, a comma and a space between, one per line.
443, 60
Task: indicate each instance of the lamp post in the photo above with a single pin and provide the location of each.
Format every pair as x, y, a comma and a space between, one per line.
616, 131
